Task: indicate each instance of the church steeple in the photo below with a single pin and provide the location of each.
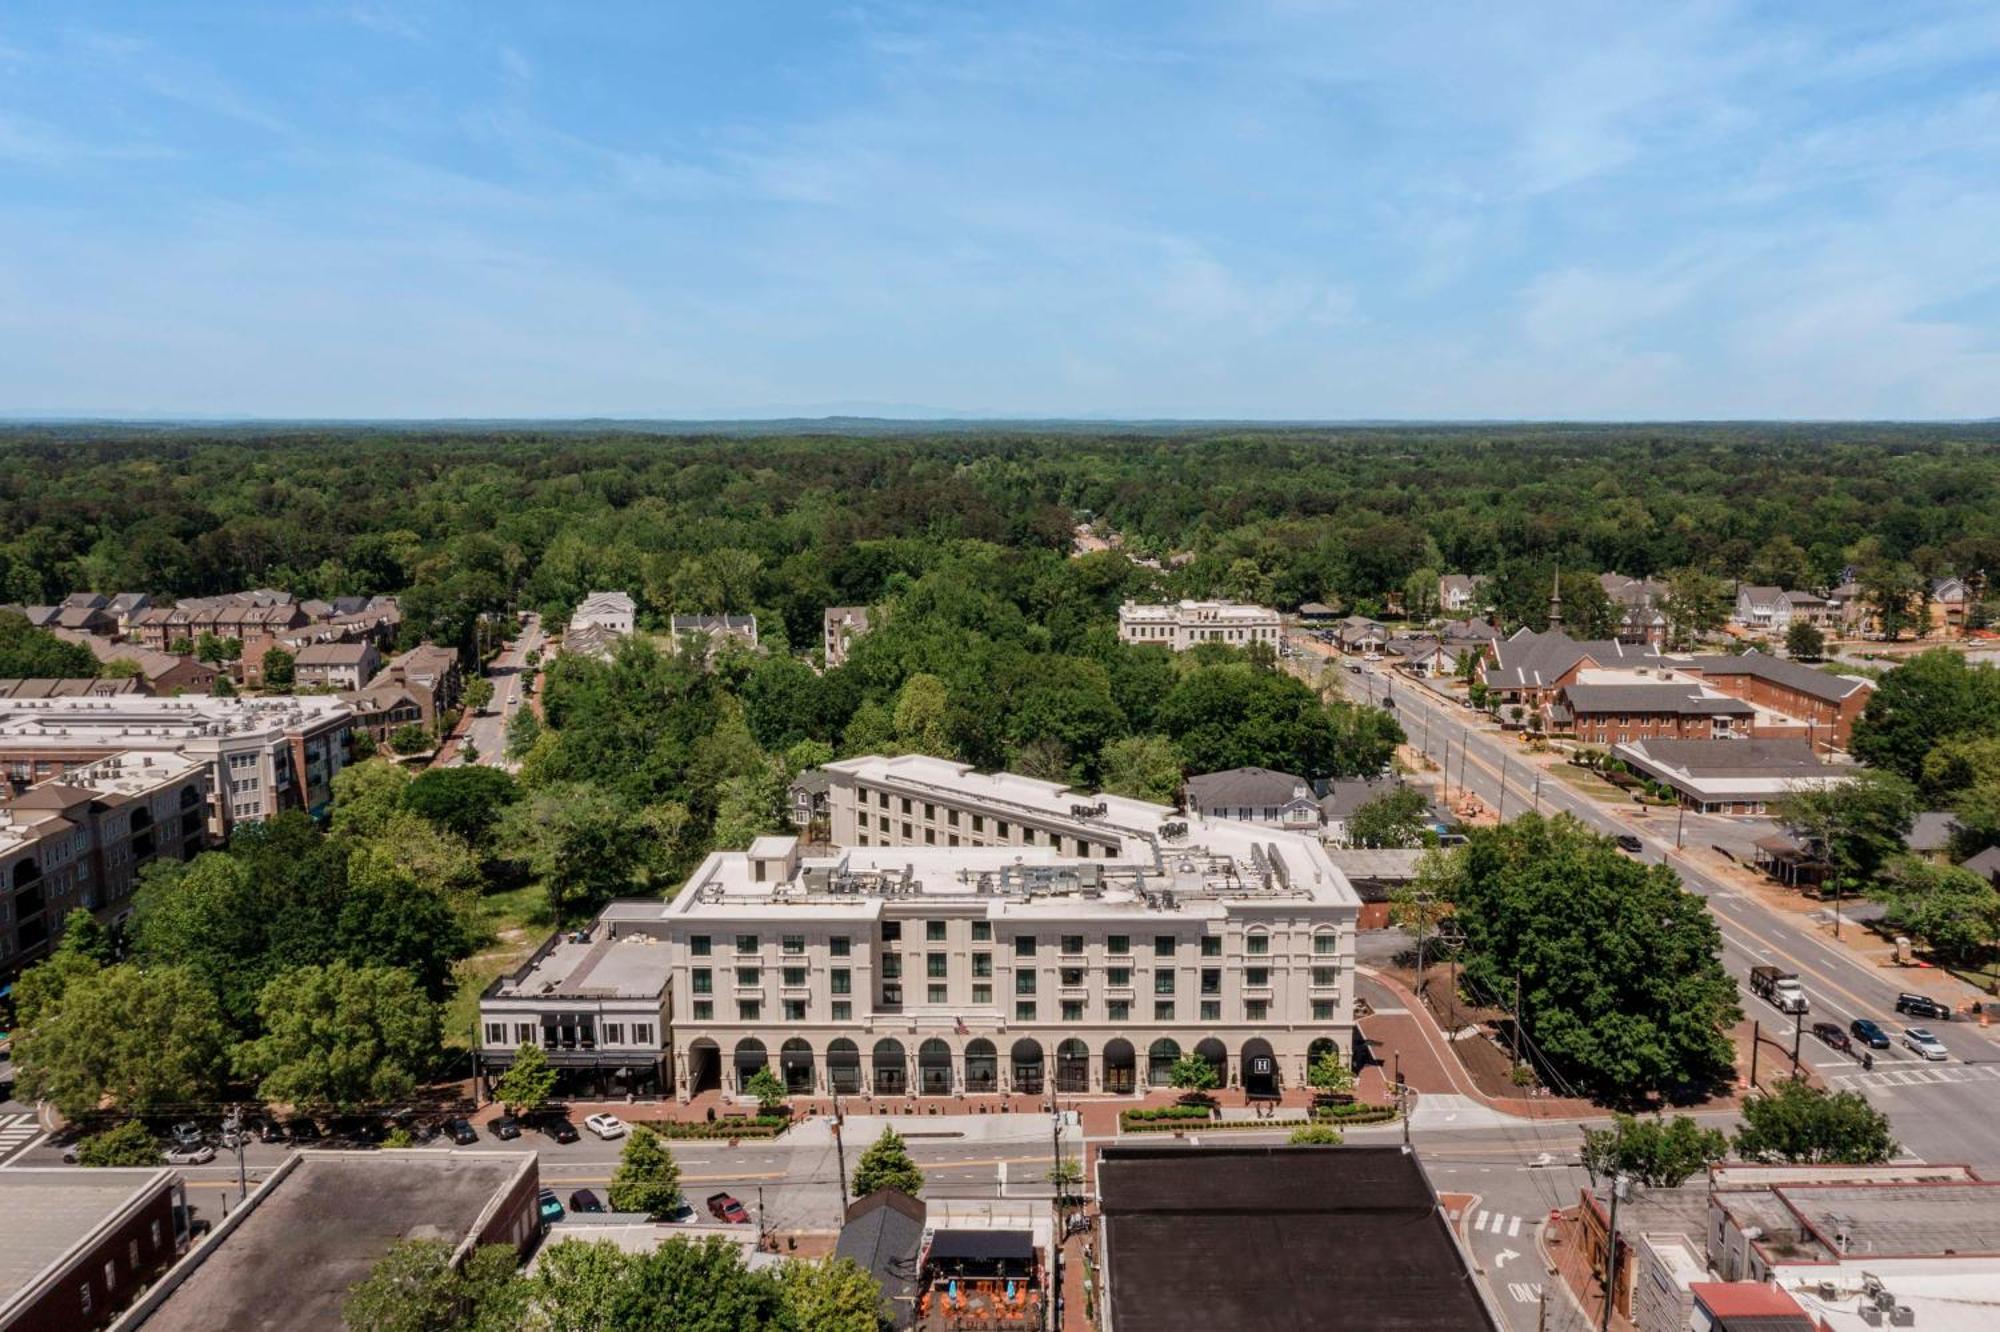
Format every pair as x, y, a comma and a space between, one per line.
1556, 604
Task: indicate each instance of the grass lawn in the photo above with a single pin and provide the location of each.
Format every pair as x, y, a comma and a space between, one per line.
1587, 782
510, 924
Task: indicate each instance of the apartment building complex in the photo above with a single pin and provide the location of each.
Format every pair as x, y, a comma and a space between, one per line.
973, 933
1186, 624
263, 755
80, 841
840, 626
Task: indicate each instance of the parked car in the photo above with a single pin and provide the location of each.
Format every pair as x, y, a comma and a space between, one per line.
506, 1128
1869, 1032
550, 1206
584, 1200
199, 1153
1630, 843
606, 1126
187, 1133
559, 1128
1923, 1043
1354, 667
680, 1214
724, 1207
1831, 1034
461, 1132
1923, 1006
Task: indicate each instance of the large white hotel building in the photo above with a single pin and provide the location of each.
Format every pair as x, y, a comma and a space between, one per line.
1186, 624
968, 932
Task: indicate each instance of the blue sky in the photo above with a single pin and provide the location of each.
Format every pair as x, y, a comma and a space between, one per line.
1271, 210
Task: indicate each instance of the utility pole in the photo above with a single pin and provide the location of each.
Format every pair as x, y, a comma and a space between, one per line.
234, 1125
1403, 1107
840, 1152
1538, 793
1756, 1040
1504, 763
1056, 1245
1618, 1185
1798, 1030
1680, 822
1517, 1019
1464, 743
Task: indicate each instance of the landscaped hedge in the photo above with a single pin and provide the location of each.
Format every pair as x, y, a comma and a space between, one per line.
1163, 1114
1355, 1113
763, 1126
1169, 1117
1210, 1126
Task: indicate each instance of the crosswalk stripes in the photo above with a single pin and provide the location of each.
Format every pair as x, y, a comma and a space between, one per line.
1502, 1223
16, 1132
1930, 1075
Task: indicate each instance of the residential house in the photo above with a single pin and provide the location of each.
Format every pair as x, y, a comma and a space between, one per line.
1186, 624
709, 632
842, 625
882, 1233
336, 665
1641, 602
384, 707
1423, 655
1986, 864
806, 798
430, 674
40, 617
1317, 613
1950, 603
85, 613
614, 612
163, 674
1462, 594
1253, 795
125, 608
89, 687
1773, 610
1344, 796
1360, 635
1932, 834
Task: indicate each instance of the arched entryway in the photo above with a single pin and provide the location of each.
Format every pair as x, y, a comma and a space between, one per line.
890, 1075
934, 1068
1160, 1057
1027, 1072
795, 1061
1121, 1069
704, 1070
750, 1057
1319, 1048
982, 1066
843, 1066
1260, 1068
1217, 1054
1072, 1067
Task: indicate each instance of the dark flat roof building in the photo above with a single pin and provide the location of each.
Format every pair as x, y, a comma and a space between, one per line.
1243, 1239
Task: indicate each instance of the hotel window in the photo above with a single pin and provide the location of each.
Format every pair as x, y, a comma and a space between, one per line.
1118, 977
1322, 1010
883, 823
795, 1010
843, 1011
951, 818
1024, 982
1325, 976
496, 1033
704, 1010
1118, 1010
795, 976
1024, 945
1163, 1010
892, 931
1211, 1010
930, 837
934, 931
1027, 837
837, 945
703, 980
982, 994
749, 976
937, 994
1072, 976
614, 1033
982, 964
979, 823
749, 1010
1211, 945
1000, 826
795, 944
1024, 1011
1326, 945
841, 981
1072, 1010
1118, 945
1072, 943
982, 931
1257, 945
1257, 978
892, 966
746, 943
642, 1033
1211, 981
934, 964
1256, 1010
1163, 982
907, 834
1163, 945
906, 804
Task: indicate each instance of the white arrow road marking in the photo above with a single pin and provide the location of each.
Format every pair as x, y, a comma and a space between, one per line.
1504, 1255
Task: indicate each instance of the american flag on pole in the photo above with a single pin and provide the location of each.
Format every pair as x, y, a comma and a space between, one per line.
958, 1025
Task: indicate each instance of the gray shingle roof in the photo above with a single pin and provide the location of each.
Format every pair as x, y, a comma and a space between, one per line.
1788, 674
1681, 699
1242, 788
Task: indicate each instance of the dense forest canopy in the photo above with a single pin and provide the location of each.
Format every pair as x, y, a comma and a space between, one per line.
462, 520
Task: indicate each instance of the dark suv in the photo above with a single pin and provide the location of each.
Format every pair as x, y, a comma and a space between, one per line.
558, 1127
1869, 1032
1923, 1006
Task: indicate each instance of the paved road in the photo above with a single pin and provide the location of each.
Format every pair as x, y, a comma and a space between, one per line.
1940, 1111
508, 672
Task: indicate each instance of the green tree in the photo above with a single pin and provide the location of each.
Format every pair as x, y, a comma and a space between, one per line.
524, 728
1696, 605
1799, 1124
464, 801
806, 755
1144, 767
1330, 1075
575, 1285
528, 1082
769, 1089
280, 668
478, 693
340, 1038
1621, 982
887, 1165
1859, 823
1933, 698
1420, 594
28, 653
1952, 912
647, 1178
1317, 1135
136, 1039
1193, 1076
830, 1295
685, 1286
1399, 817
1804, 642
584, 846
78, 954
415, 1287
181, 647
410, 738
83, 935
751, 805
366, 796
1656, 1152
211, 649
128, 1144
922, 706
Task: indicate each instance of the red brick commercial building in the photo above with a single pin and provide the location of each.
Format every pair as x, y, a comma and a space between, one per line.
76, 1246
1823, 704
